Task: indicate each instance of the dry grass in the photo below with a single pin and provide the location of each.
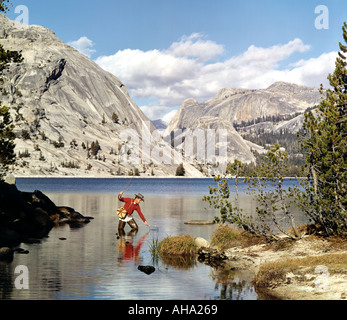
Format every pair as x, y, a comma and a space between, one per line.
225, 237
282, 244
275, 272
183, 245
337, 243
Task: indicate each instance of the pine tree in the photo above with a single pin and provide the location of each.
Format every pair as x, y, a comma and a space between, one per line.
7, 136
8, 56
325, 145
3, 5
219, 197
115, 118
95, 147
7, 145
180, 171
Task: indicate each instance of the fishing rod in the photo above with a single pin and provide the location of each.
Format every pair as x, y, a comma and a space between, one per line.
128, 183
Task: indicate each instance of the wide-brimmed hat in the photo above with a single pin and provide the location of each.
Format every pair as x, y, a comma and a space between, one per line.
140, 196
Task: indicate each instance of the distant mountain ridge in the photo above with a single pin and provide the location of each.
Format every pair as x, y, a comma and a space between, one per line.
159, 124
232, 108
237, 105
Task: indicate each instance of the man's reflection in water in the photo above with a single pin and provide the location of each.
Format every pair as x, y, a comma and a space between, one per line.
127, 249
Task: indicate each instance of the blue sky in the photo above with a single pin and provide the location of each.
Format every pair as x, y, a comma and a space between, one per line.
166, 51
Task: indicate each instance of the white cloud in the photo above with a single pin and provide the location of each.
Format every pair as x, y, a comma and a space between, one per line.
189, 68
194, 46
313, 71
269, 57
83, 45
152, 111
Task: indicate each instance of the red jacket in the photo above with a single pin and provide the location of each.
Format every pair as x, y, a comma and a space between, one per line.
130, 206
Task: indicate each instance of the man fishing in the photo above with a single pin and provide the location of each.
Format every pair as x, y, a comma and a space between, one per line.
131, 205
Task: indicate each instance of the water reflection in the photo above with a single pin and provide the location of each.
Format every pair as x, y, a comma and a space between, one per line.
180, 262
6, 280
128, 249
94, 262
234, 284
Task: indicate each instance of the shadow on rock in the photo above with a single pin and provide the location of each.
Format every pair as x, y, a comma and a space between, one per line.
30, 215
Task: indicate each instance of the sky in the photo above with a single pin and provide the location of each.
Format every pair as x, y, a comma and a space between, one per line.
166, 51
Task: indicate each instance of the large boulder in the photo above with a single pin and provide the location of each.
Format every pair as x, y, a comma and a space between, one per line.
9, 237
25, 215
39, 200
6, 254
72, 217
12, 204
20, 215
201, 242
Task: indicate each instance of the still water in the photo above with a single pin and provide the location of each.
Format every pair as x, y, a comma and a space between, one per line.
91, 262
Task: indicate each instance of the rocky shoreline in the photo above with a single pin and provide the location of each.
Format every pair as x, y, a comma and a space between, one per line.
319, 280
28, 217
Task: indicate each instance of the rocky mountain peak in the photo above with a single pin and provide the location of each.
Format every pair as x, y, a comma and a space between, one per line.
26, 34
189, 102
289, 87
71, 116
237, 106
226, 93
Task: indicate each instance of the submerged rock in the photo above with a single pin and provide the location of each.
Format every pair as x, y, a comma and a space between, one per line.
199, 222
146, 269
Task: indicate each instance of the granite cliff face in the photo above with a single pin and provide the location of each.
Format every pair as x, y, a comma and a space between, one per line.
245, 107
237, 105
71, 116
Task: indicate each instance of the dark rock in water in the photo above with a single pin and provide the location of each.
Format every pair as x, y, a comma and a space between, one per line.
146, 269
211, 257
6, 254
21, 251
19, 217
38, 200
30, 215
69, 215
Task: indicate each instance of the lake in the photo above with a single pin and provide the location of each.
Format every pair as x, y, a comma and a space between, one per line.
93, 262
